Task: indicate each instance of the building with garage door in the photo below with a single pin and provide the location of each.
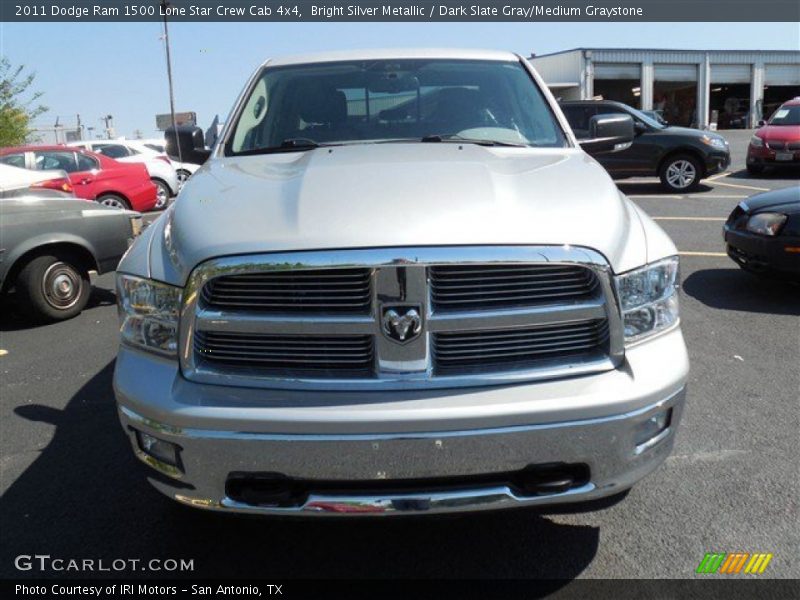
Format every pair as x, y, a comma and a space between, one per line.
720, 89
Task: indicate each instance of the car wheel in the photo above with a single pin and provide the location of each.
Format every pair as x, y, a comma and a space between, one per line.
114, 201
53, 288
680, 173
183, 177
755, 169
163, 194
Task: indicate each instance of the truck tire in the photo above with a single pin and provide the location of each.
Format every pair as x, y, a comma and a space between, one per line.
681, 173
53, 288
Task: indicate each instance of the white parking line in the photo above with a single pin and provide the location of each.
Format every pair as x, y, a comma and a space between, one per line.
744, 187
712, 254
688, 219
717, 176
703, 197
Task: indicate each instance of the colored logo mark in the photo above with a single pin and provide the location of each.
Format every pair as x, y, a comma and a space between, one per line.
734, 563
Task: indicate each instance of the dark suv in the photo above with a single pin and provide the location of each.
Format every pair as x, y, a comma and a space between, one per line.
681, 157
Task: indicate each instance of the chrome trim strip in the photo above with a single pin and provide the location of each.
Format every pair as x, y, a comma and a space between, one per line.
409, 367
455, 501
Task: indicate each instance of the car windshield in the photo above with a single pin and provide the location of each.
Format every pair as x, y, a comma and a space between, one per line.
647, 119
300, 107
786, 115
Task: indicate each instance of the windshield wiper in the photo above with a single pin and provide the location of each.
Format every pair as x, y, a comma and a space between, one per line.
454, 137
287, 145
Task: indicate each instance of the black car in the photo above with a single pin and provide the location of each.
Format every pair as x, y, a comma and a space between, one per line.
763, 233
681, 157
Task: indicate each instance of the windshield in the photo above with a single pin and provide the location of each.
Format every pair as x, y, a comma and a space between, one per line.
786, 115
647, 119
301, 106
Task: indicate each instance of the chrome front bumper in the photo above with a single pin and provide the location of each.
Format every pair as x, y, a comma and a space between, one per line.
606, 444
590, 420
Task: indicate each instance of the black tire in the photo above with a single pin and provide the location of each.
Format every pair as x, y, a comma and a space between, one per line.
183, 176
681, 173
114, 200
53, 288
755, 169
163, 195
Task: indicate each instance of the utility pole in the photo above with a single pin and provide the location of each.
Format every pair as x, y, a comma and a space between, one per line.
164, 6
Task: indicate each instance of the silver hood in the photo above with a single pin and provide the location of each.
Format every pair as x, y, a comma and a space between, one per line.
397, 194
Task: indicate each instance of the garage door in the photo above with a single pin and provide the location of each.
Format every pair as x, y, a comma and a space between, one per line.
676, 72
782, 75
730, 73
617, 71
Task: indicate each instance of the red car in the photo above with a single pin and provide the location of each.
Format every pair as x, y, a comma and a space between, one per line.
93, 176
778, 141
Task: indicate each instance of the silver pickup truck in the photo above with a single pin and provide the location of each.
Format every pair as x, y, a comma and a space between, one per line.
399, 284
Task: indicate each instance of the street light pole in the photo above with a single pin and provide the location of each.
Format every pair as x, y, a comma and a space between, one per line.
164, 5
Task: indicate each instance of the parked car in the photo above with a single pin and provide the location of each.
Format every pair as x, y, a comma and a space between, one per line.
680, 156
162, 173
448, 310
50, 245
184, 169
776, 142
763, 233
92, 176
15, 181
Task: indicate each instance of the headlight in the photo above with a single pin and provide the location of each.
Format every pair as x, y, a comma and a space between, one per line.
715, 142
756, 142
148, 313
649, 298
766, 223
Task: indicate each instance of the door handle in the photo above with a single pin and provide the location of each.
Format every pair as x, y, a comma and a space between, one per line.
86, 180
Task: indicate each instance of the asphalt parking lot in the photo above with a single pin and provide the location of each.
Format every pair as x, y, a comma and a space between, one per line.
72, 488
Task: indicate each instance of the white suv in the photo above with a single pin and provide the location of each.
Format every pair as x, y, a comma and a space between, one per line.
160, 168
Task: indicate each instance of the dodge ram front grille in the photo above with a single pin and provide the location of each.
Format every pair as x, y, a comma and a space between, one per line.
400, 318
478, 287
459, 352
328, 356
331, 290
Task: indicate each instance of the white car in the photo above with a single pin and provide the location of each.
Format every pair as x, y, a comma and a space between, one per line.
159, 146
160, 168
15, 181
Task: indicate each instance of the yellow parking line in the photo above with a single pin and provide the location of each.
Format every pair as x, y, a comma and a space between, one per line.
714, 254
718, 219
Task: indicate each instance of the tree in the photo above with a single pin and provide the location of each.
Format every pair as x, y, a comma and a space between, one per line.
18, 105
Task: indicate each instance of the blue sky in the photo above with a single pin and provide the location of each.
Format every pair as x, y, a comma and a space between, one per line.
97, 69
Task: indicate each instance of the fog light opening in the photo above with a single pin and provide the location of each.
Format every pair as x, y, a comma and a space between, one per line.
161, 455
653, 430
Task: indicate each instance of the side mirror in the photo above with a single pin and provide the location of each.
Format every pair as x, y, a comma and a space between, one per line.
640, 127
761, 122
201, 155
609, 133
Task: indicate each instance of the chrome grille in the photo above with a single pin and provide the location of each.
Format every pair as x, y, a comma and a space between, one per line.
517, 348
475, 287
329, 290
328, 356
485, 315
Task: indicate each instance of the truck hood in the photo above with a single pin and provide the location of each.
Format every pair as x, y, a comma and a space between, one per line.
398, 194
